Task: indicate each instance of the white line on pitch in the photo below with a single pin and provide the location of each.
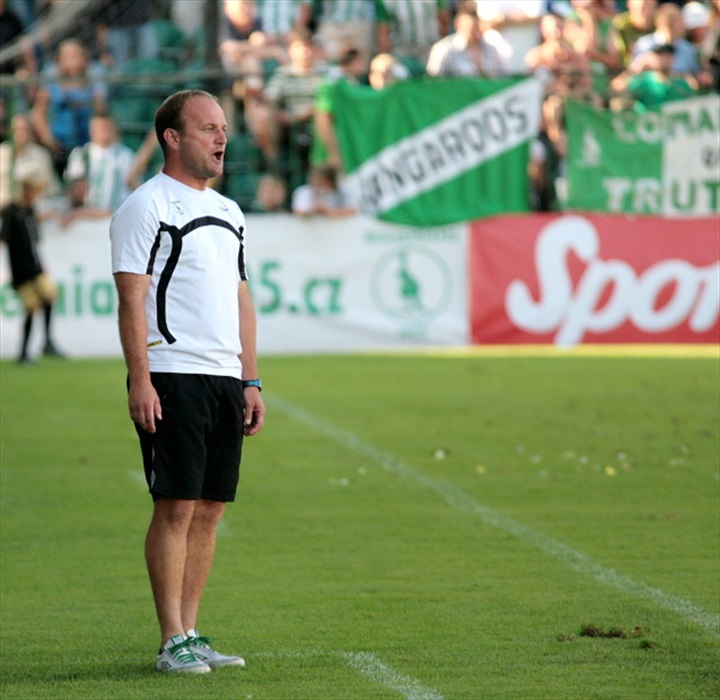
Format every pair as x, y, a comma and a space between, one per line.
372, 668
458, 499
138, 476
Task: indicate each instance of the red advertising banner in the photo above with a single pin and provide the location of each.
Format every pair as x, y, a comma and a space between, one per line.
576, 279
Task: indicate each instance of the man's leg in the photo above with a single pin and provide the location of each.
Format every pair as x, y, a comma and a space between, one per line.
201, 537
50, 347
26, 329
200, 551
166, 553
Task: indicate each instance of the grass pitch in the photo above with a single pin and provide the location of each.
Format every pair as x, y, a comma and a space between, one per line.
406, 527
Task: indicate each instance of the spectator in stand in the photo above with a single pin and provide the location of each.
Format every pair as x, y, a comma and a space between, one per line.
189, 18
62, 110
385, 70
712, 38
19, 231
126, 32
598, 40
243, 44
565, 73
283, 123
563, 70
630, 25
543, 171
517, 24
280, 19
22, 154
409, 28
650, 80
344, 22
467, 52
243, 48
351, 68
710, 49
57, 21
271, 195
322, 196
696, 18
12, 28
98, 173
669, 29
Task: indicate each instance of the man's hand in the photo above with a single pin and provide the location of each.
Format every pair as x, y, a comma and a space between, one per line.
144, 404
254, 411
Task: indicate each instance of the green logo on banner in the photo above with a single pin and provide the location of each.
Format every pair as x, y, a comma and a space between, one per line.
411, 283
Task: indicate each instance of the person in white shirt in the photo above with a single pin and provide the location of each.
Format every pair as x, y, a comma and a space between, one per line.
322, 195
467, 52
516, 26
187, 328
669, 29
98, 173
22, 154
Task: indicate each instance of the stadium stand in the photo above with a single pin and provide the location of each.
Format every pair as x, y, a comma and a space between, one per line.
185, 53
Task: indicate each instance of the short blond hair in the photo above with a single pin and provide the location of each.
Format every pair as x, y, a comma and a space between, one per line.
33, 179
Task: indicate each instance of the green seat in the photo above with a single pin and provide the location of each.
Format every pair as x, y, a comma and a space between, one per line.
169, 35
241, 187
172, 42
269, 66
240, 148
128, 109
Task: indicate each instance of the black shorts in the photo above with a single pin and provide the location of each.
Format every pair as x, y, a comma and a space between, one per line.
196, 449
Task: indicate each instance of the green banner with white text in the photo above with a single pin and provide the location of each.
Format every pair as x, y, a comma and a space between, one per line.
431, 152
662, 162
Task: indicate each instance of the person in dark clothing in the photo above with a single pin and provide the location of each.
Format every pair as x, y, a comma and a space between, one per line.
10, 29
29, 279
125, 31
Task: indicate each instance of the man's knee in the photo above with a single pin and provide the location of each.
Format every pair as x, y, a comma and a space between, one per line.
208, 512
174, 513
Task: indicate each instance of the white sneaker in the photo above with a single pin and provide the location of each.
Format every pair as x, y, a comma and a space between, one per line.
201, 649
177, 655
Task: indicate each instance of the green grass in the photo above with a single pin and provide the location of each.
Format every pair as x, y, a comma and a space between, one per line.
409, 527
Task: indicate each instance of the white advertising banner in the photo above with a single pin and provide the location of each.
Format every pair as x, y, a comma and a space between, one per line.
85, 314
691, 156
356, 283
320, 285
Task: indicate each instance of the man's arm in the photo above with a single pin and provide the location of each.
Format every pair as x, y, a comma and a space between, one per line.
39, 120
143, 401
325, 131
254, 406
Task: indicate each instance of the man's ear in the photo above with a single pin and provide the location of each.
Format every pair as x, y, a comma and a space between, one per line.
172, 138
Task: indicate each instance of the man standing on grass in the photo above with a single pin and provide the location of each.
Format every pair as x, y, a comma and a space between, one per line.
187, 327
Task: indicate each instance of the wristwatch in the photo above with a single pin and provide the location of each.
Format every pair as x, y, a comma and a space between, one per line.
252, 382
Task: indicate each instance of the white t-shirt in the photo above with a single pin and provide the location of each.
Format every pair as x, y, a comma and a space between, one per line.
514, 40
106, 171
191, 243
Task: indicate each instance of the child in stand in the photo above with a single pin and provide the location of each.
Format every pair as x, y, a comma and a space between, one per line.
33, 285
322, 195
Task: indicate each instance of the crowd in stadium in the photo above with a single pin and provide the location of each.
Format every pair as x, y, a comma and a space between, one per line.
79, 93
